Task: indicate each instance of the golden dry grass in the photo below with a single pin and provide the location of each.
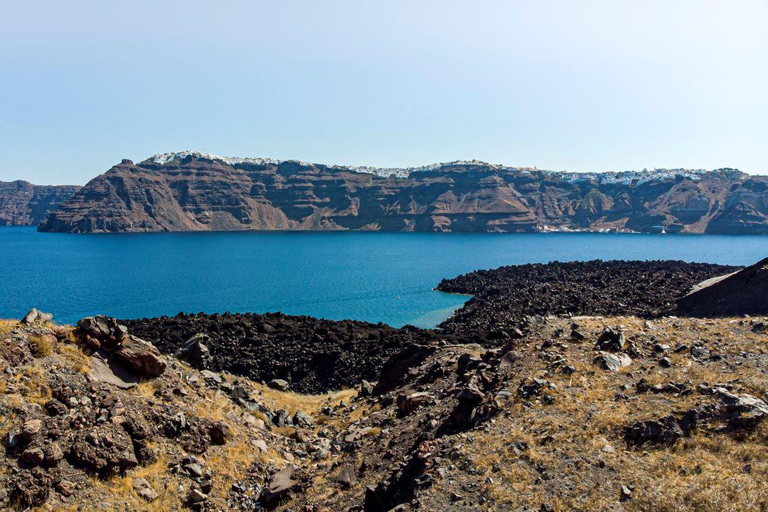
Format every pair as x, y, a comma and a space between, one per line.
39, 345
578, 440
6, 326
310, 404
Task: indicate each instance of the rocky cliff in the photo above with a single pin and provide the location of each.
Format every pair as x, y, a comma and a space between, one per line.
25, 204
193, 191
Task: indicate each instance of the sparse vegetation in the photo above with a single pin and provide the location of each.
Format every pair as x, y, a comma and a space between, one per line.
40, 345
567, 451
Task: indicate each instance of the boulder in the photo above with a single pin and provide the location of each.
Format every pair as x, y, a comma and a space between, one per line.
106, 449
530, 388
30, 429
219, 433
53, 453
195, 351
141, 356
303, 420
743, 411
279, 384
409, 403
212, 376
611, 340
732, 413
346, 477
612, 362
33, 456
366, 389
143, 489
96, 326
665, 430
107, 369
741, 293
36, 316
196, 496
281, 484
282, 418
55, 407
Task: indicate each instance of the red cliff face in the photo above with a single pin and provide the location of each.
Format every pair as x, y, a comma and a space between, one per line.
197, 192
25, 204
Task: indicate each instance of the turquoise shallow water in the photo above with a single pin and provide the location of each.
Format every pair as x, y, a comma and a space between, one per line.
385, 277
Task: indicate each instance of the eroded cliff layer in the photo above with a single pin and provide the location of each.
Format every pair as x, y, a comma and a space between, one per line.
198, 192
25, 204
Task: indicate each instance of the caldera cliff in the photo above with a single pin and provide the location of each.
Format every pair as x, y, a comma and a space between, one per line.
25, 204
192, 191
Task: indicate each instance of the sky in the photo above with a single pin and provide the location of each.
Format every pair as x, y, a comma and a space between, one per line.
564, 85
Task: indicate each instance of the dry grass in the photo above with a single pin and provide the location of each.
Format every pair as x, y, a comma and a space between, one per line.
310, 404
576, 457
40, 345
74, 357
34, 385
6, 326
122, 494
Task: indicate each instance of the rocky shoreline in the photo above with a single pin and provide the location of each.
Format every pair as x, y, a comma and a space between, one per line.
316, 356
504, 296
311, 354
518, 402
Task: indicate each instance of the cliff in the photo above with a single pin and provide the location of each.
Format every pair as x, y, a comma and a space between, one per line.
25, 204
193, 191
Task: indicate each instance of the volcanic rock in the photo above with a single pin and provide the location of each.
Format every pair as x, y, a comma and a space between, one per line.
279, 384
105, 449
282, 482
741, 293
613, 362
141, 356
663, 430
143, 489
313, 355
34, 316
507, 295
195, 352
611, 340
347, 477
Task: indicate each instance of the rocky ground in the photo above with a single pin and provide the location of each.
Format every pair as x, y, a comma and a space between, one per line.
313, 355
553, 413
663, 414
501, 297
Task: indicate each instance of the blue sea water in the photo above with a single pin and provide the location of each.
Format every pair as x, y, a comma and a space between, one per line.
377, 277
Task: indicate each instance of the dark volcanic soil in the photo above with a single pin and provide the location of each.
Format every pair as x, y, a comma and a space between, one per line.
312, 354
507, 294
316, 355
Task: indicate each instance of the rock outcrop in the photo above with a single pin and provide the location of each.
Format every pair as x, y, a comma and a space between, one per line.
193, 191
25, 204
740, 293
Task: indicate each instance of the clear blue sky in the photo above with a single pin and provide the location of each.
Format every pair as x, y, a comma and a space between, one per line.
566, 85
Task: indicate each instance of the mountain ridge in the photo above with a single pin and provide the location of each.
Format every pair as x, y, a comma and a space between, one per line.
195, 191
25, 204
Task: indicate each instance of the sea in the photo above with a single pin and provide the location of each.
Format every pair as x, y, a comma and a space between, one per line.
370, 276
